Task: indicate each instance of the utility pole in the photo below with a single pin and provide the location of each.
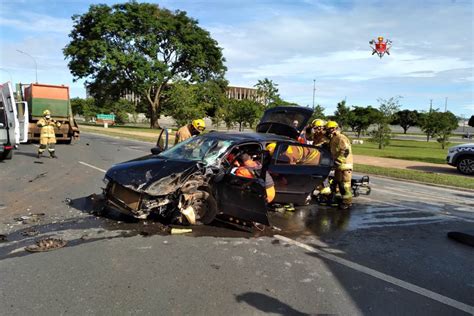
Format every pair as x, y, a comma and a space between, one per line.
314, 90
431, 105
446, 105
34, 60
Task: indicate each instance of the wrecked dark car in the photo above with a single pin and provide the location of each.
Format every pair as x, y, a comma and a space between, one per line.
194, 181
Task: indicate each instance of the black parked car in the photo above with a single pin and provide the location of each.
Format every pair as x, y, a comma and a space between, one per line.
193, 182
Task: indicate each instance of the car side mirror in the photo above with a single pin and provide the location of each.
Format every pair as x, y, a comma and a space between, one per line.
156, 150
2, 125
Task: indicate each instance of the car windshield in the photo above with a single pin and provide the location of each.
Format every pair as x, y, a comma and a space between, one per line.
200, 148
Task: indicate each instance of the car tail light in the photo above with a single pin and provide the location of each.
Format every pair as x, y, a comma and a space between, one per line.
8, 147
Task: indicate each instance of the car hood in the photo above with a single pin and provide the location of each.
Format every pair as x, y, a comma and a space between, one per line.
470, 145
143, 173
286, 121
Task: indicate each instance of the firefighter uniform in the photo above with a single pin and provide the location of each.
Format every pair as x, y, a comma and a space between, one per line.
47, 136
188, 131
341, 152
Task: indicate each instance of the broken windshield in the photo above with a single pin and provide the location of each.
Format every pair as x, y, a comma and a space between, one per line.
198, 149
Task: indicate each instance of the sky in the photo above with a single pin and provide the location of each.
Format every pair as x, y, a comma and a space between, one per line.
292, 42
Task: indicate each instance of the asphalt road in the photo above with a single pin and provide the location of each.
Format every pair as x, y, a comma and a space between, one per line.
389, 255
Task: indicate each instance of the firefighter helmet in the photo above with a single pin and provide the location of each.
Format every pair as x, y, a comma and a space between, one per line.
318, 123
380, 38
331, 124
271, 148
46, 112
199, 124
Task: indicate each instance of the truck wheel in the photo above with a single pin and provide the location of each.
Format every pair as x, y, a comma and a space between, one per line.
206, 210
466, 165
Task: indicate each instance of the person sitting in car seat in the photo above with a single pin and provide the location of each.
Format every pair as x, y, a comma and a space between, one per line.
248, 168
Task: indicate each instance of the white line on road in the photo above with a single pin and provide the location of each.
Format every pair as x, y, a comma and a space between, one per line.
91, 166
382, 276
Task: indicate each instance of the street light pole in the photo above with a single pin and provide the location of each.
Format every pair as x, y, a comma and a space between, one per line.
314, 90
36, 65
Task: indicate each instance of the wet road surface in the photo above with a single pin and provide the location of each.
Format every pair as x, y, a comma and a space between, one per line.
335, 262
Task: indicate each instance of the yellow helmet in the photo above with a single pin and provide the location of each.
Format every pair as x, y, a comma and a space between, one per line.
380, 38
199, 124
271, 148
332, 124
318, 123
46, 112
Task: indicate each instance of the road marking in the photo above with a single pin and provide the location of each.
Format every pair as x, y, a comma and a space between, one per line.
382, 276
91, 166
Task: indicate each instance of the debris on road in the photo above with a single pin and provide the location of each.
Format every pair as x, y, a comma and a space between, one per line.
30, 233
41, 175
47, 244
30, 218
3, 238
177, 231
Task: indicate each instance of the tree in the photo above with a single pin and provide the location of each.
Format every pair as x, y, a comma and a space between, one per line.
267, 92
361, 118
471, 121
245, 112
428, 123
140, 48
83, 107
318, 113
406, 119
181, 102
342, 114
447, 123
387, 109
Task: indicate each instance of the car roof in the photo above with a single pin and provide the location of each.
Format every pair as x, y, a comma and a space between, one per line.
238, 136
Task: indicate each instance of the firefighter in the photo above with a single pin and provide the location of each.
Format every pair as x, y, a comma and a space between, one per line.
319, 137
195, 128
247, 169
47, 136
341, 152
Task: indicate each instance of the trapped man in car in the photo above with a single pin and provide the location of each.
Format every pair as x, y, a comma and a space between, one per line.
195, 128
341, 152
248, 168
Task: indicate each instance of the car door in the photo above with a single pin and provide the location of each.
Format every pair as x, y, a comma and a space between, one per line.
242, 198
297, 170
23, 120
10, 111
161, 142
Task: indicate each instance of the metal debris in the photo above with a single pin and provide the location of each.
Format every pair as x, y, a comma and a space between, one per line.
177, 231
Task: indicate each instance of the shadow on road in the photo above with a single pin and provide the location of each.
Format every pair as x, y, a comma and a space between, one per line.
267, 304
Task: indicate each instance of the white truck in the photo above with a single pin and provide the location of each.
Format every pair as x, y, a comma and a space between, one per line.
13, 121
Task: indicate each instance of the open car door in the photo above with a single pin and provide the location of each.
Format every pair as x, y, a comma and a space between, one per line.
161, 142
23, 120
243, 198
285, 120
297, 170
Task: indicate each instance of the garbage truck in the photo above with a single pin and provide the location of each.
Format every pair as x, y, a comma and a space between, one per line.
54, 98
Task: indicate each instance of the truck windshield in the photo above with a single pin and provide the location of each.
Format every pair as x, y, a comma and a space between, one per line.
198, 148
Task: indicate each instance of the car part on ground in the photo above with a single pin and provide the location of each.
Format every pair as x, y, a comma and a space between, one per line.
47, 244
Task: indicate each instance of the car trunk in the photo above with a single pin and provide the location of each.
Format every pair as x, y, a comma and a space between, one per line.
286, 121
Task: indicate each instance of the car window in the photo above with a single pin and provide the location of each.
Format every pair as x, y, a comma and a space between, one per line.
294, 119
297, 155
198, 148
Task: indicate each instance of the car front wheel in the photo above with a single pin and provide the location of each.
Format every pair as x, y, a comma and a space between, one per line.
466, 165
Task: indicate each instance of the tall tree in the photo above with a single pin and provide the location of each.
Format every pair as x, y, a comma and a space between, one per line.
387, 109
471, 121
245, 112
267, 92
140, 47
181, 102
406, 119
318, 113
342, 114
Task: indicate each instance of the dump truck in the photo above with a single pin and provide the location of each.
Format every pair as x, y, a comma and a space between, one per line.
54, 98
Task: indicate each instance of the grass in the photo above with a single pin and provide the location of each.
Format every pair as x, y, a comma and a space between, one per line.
127, 132
406, 150
432, 178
